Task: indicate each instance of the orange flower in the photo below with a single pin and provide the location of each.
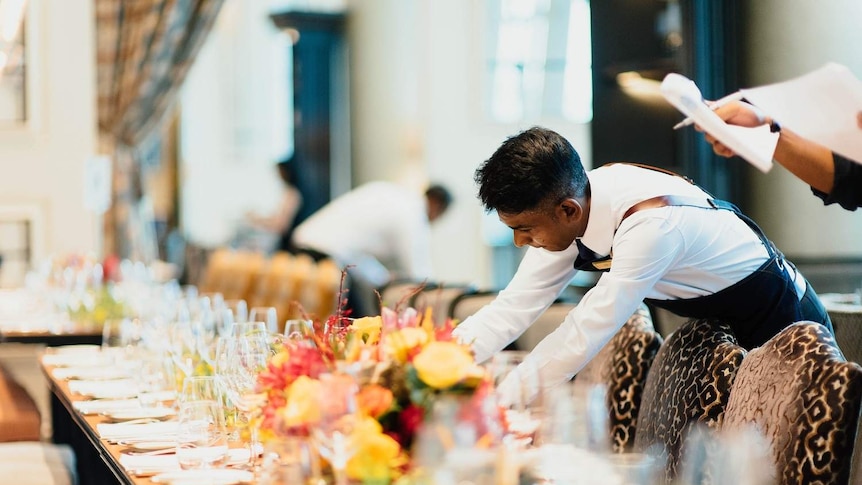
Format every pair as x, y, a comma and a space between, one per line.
374, 400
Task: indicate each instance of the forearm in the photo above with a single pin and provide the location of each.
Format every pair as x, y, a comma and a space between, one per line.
809, 161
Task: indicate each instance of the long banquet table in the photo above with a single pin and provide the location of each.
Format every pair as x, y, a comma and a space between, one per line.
97, 461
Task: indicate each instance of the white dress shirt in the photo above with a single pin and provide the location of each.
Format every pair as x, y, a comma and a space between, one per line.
380, 227
672, 252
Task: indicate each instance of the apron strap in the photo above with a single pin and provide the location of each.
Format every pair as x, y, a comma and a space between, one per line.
689, 201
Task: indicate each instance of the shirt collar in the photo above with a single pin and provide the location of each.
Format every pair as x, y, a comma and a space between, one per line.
599, 234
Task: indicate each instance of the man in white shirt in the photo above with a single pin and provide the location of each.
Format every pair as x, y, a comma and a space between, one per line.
381, 229
671, 244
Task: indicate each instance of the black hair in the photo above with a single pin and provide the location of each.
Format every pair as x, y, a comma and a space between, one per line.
439, 194
532, 168
287, 170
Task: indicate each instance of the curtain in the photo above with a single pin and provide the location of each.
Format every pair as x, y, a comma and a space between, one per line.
144, 50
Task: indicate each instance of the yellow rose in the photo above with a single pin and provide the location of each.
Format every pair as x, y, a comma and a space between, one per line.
301, 407
375, 454
400, 343
443, 364
367, 329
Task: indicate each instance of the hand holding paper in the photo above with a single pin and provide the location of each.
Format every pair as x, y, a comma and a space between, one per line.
756, 145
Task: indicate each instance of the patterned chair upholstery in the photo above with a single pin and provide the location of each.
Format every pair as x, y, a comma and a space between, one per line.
688, 385
799, 391
848, 332
622, 366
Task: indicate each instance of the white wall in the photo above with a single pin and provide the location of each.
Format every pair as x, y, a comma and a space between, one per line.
788, 38
415, 68
43, 163
236, 123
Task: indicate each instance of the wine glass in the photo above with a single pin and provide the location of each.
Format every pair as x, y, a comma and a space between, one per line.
201, 435
296, 329
266, 314
239, 308
337, 404
246, 357
517, 384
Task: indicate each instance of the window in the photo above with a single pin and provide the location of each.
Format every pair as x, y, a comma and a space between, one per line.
538, 60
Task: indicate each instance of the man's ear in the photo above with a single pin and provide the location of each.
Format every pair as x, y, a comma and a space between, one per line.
571, 209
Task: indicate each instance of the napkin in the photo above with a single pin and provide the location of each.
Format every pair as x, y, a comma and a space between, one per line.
71, 359
90, 373
163, 430
236, 456
105, 389
105, 406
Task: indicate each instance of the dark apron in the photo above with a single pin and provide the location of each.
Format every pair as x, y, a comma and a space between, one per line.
757, 307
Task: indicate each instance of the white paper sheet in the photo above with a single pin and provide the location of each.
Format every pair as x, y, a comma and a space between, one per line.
754, 145
821, 106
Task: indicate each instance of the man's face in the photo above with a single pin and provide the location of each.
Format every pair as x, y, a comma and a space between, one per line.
553, 229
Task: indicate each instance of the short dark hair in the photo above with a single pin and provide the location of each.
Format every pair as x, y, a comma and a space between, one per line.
534, 167
439, 194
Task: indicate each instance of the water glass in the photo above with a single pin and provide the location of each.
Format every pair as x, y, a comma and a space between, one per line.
266, 314
297, 329
290, 459
201, 435
517, 385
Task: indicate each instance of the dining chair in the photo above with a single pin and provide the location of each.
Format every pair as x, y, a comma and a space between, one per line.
401, 293
847, 324
804, 397
688, 385
467, 304
544, 325
19, 415
439, 298
622, 366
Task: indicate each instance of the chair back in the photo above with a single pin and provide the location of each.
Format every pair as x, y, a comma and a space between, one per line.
439, 298
804, 397
469, 303
688, 384
847, 324
622, 367
544, 325
401, 293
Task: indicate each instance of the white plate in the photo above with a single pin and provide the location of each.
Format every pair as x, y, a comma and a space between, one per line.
152, 445
108, 393
222, 476
140, 413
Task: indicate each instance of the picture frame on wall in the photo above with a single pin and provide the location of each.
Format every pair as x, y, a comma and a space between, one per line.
13, 63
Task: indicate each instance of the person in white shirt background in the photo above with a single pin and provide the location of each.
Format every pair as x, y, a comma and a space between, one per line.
672, 245
381, 230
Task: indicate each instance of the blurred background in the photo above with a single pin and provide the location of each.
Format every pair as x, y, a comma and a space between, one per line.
148, 129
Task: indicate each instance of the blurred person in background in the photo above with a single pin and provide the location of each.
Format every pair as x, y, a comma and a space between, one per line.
379, 231
278, 227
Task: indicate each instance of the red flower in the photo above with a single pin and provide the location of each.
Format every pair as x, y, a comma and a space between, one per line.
408, 424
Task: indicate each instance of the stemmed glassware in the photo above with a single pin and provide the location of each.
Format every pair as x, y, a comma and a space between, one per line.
201, 435
518, 387
266, 314
337, 404
240, 359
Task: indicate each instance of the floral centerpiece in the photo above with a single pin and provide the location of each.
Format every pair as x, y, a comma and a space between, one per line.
400, 361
